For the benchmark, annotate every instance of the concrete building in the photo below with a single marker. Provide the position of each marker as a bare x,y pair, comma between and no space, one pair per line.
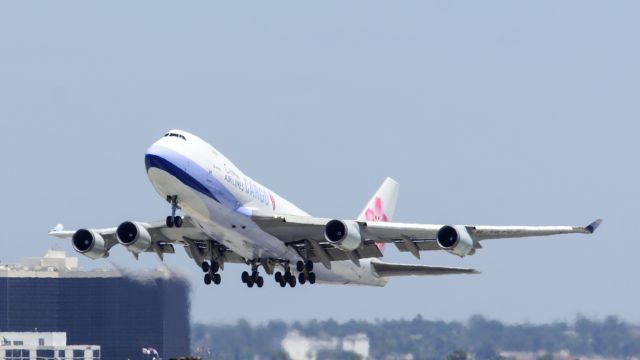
45,346
119,313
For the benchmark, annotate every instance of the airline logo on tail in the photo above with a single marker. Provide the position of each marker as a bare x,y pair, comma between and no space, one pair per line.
382,205
376,214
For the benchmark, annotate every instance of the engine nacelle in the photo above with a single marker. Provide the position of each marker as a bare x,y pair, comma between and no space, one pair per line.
89,243
134,236
344,235
456,240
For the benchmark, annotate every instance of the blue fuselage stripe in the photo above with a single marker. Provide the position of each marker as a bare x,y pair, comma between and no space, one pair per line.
180,174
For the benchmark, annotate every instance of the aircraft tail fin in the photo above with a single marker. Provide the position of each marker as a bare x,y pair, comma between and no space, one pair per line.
382,205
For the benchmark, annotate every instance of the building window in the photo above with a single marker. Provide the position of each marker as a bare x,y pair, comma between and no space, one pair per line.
45,354
78,354
61,354
16,354
96,354
18,342
41,341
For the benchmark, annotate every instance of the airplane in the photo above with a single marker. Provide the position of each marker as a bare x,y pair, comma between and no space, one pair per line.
230,218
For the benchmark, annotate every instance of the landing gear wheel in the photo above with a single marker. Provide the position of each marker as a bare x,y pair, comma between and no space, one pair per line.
287,276
292,281
260,281
278,277
217,279
214,267
308,265
282,283
207,279
301,278
312,278
245,277
206,267
300,266
177,221
169,221
255,276
250,283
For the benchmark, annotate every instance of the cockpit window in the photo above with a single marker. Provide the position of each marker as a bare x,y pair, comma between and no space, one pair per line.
175,135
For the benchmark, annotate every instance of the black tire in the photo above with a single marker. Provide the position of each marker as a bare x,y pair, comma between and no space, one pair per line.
300,266
169,221
301,278
278,277
308,265
260,281
245,277
287,276
312,278
292,282
283,283
205,266
217,279
207,279
255,276
177,221
250,283
215,267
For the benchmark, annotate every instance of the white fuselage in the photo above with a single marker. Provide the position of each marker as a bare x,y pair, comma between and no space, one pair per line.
220,200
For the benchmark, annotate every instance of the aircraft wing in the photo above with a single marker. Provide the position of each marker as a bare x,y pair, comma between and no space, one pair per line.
307,235
387,270
197,244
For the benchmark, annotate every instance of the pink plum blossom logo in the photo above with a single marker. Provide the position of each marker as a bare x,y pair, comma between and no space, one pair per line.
376,214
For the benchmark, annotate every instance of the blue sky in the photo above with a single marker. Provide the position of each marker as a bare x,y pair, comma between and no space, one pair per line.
485,112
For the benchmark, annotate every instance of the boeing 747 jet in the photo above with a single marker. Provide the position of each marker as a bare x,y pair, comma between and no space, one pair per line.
230,218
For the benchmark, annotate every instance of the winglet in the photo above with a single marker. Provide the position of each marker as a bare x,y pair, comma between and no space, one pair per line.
591,228
56,229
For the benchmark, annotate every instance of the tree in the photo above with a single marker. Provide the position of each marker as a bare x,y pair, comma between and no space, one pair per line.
458,355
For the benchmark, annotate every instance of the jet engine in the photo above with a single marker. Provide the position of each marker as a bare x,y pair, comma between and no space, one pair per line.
344,235
456,240
89,243
134,236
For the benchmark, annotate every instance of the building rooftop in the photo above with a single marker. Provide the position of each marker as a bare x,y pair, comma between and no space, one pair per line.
56,264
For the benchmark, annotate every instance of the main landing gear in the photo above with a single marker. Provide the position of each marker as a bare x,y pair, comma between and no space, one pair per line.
173,220
305,274
303,268
254,278
211,272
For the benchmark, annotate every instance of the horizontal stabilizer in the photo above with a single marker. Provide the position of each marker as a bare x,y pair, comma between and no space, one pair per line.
387,270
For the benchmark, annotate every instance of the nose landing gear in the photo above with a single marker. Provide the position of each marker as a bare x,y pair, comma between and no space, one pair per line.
173,220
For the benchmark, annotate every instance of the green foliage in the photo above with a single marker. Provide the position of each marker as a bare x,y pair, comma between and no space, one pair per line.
458,355
425,339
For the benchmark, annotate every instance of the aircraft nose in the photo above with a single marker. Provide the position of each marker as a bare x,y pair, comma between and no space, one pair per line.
155,157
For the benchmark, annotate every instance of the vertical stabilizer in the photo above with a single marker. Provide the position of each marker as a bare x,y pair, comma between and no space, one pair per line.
382,205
